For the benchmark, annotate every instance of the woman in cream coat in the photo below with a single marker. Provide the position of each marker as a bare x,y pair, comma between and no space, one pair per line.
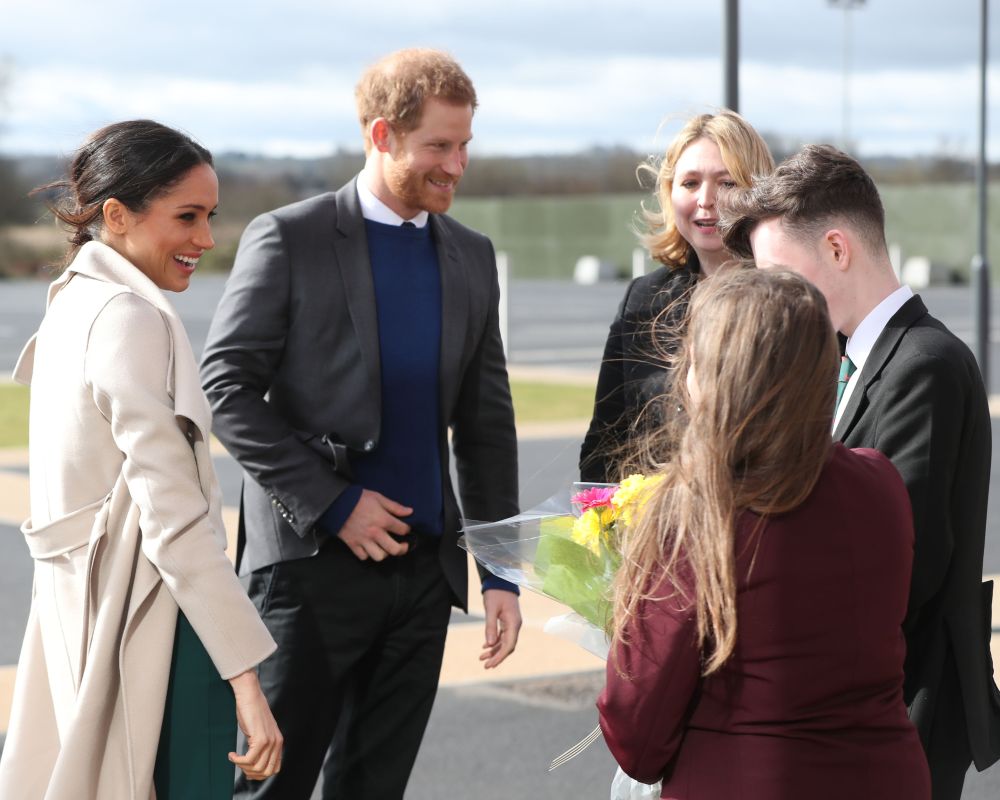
125,524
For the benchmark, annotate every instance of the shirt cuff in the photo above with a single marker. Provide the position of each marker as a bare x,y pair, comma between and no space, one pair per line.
493,582
333,519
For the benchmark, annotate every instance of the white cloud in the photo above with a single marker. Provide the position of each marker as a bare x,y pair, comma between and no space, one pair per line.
904,112
52,110
551,77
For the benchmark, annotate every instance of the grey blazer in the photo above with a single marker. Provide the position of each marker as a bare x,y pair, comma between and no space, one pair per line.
293,355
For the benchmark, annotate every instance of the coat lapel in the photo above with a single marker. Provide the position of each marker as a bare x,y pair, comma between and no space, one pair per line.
101,262
454,312
351,246
25,367
886,344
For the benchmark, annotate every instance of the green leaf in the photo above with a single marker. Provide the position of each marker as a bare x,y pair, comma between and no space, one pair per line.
574,575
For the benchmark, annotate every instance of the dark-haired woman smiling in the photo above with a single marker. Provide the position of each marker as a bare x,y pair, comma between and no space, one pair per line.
137,619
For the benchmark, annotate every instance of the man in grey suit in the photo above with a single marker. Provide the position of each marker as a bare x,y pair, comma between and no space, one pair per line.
356,328
912,389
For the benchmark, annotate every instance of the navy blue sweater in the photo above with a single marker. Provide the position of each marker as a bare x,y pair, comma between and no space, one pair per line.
406,464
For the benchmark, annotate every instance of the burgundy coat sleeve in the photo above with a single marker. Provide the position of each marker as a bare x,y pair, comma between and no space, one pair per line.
651,681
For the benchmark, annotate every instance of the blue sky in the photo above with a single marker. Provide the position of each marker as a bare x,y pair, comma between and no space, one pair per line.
553,76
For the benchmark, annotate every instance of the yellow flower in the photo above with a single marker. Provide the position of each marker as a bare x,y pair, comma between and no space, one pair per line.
590,526
632,494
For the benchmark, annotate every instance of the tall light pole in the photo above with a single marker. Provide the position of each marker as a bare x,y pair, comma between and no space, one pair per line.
848,6
980,262
731,54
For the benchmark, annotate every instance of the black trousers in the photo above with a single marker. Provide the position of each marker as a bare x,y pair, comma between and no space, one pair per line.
354,677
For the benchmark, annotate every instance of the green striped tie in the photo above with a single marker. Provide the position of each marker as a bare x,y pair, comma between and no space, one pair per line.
847,369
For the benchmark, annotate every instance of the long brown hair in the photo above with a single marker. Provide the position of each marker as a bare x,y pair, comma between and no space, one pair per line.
757,438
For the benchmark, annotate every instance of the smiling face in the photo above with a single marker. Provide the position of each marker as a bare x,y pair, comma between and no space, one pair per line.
166,240
699,175
422,167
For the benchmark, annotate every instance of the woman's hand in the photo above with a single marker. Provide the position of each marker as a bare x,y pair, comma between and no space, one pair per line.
264,740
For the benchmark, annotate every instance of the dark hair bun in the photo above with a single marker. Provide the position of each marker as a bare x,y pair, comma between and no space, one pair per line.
135,162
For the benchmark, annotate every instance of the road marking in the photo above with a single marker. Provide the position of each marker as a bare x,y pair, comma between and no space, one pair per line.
15,506
14,457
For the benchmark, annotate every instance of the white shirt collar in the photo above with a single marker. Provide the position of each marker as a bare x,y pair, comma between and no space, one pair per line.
375,210
860,345
861,342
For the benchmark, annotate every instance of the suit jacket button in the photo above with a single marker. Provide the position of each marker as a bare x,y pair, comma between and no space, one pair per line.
369,445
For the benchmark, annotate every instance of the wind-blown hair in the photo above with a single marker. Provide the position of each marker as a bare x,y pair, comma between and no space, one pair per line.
765,359
814,190
744,153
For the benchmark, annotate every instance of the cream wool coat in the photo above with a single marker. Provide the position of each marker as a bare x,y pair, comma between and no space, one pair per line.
125,527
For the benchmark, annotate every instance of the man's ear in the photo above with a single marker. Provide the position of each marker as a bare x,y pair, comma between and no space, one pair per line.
837,246
380,133
116,216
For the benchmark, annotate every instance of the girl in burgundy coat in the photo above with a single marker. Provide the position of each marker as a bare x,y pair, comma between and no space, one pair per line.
757,648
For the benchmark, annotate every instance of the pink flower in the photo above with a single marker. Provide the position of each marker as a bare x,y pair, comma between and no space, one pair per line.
598,497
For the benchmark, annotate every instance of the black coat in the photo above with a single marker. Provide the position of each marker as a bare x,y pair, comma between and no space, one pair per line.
635,369
921,401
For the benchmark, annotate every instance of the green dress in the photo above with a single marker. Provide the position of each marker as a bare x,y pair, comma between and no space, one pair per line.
199,726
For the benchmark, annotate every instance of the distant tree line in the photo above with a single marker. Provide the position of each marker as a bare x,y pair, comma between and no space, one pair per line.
252,184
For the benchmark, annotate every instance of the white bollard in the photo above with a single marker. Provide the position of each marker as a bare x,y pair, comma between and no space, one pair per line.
896,259
503,276
638,263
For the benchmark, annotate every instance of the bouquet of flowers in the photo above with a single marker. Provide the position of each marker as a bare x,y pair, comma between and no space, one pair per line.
569,548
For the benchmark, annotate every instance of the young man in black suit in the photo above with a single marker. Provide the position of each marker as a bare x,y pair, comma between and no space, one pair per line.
356,329
913,390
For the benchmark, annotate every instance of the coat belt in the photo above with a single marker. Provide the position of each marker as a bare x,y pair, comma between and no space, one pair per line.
63,534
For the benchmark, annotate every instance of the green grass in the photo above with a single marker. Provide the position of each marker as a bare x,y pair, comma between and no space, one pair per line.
13,415
551,402
533,402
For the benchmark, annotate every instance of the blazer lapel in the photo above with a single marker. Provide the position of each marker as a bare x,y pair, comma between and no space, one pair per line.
886,344
454,312
351,246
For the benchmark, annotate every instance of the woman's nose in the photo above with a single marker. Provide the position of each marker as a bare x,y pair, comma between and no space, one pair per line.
203,238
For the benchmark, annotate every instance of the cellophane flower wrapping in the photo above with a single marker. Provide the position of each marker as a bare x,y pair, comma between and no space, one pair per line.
568,548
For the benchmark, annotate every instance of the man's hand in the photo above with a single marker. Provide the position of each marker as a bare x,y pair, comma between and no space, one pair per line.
367,530
503,623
